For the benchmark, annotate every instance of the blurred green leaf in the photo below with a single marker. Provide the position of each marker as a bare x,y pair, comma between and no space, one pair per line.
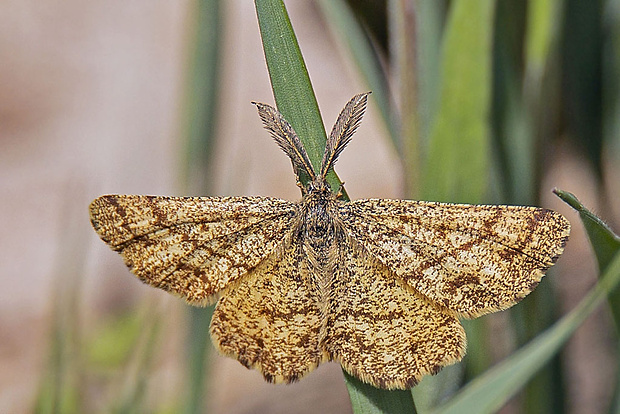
457,166
584,38
61,388
344,24
201,95
541,32
436,389
430,26
198,350
513,126
130,393
114,341
489,392
403,56
201,110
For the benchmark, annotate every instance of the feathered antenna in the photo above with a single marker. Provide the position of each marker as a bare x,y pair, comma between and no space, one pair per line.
343,130
286,138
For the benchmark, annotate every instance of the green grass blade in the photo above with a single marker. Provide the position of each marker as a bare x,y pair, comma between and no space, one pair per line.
296,101
198,348
290,81
436,389
61,388
524,106
513,126
584,39
343,23
403,50
604,241
200,126
457,166
366,399
541,32
132,396
201,95
489,392
429,32
606,244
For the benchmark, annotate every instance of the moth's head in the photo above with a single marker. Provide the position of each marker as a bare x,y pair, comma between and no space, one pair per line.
318,187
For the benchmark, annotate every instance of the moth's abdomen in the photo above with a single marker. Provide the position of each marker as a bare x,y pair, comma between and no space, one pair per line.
319,234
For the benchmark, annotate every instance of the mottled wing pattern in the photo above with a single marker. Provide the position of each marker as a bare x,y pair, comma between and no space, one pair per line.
470,259
381,330
192,246
271,320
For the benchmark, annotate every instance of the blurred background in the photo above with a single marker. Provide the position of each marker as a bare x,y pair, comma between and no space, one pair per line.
154,98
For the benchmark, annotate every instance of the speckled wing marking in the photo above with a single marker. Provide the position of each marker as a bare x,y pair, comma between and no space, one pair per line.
381,330
271,320
192,247
471,259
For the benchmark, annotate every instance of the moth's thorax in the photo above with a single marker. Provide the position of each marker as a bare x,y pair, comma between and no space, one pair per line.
319,204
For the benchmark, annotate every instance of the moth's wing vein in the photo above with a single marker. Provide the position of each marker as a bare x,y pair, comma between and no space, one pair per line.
120,218
155,234
230,242
470,259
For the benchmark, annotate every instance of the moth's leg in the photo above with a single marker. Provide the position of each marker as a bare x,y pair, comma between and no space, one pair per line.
340,192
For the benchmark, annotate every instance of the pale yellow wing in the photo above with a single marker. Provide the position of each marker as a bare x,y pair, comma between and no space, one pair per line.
192,246
382,331
271,321
471,259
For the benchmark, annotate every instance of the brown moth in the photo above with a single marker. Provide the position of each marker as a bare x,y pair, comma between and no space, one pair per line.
376,285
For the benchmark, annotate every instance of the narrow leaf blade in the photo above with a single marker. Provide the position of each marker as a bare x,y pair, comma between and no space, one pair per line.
457,166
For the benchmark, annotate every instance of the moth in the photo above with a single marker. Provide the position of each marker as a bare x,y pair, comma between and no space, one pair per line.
376,285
